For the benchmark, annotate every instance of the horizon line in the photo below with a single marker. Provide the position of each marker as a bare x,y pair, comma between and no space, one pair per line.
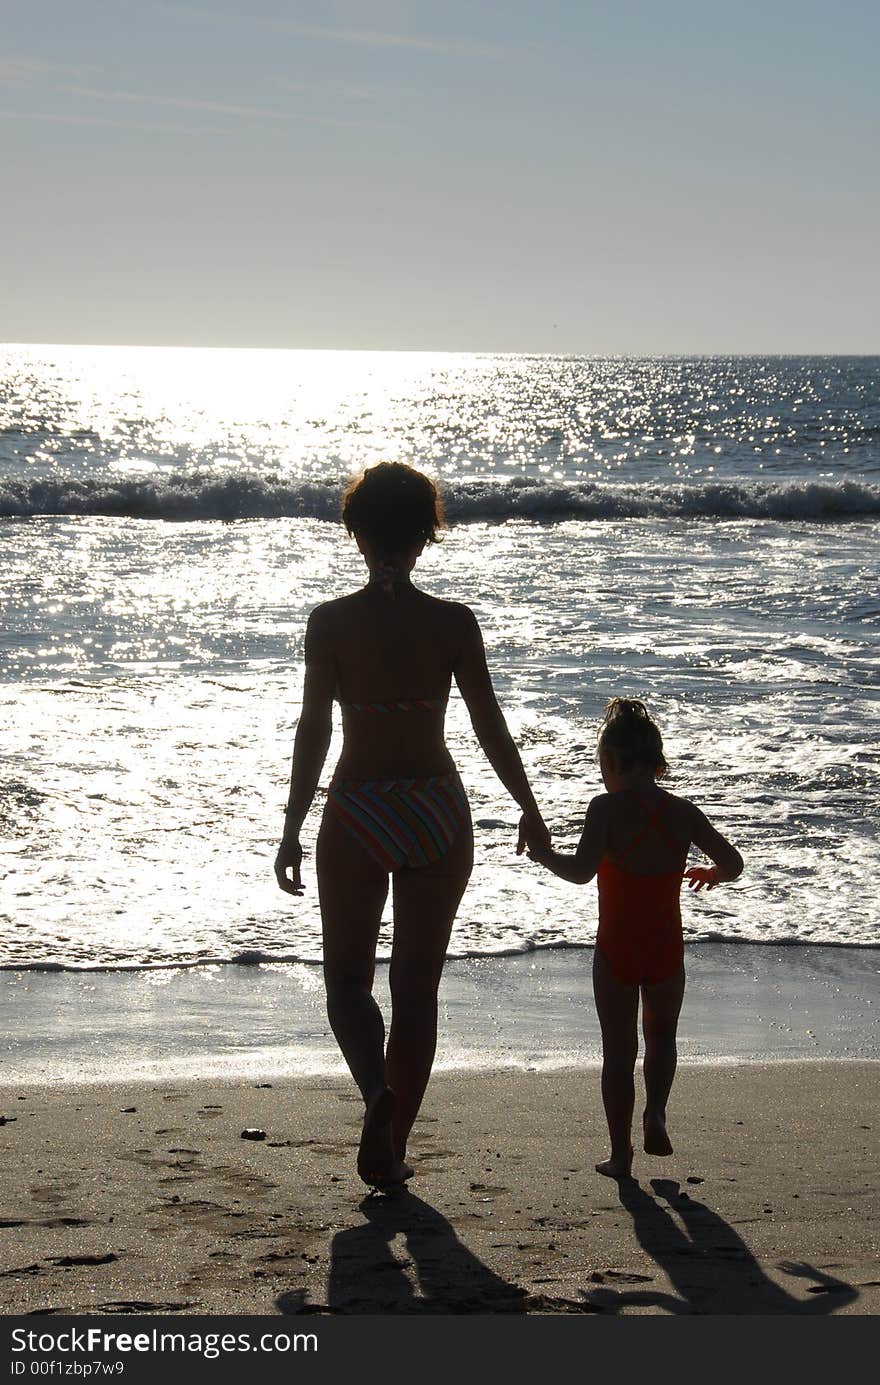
435,351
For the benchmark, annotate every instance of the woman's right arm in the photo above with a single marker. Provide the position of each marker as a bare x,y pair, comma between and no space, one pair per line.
310,747
475,685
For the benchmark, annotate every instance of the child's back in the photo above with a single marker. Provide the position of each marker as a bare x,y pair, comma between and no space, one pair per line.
649,831
639,880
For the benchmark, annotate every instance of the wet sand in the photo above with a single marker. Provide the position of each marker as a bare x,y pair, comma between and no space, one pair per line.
744,1002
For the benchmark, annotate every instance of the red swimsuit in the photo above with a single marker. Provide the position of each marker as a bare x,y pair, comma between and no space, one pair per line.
640,918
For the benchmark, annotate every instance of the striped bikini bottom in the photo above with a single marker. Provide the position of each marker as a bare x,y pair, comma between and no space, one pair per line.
401,822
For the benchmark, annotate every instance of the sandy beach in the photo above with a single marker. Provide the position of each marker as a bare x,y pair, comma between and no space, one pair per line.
143,1197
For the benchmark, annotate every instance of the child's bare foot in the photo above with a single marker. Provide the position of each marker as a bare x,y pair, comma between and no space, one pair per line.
616,1168
377,1164
656,1139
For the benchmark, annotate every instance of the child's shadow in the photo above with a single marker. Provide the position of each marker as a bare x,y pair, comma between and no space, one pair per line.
368,1276
711,1266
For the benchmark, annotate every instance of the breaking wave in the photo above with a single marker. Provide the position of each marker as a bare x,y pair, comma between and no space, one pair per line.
234,496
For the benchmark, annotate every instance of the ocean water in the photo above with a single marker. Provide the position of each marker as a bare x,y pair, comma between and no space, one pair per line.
701,533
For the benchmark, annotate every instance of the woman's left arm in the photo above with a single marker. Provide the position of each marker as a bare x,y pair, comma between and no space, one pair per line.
310,747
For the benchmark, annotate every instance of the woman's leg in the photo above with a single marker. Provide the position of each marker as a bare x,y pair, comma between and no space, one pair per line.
352,889
425,904
661,1005
617,1006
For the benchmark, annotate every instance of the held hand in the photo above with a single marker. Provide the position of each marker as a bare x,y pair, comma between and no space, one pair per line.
541,855
289,858
533,833
698,876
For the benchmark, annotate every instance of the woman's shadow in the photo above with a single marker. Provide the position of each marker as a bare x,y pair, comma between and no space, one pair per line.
710,1266
368,1274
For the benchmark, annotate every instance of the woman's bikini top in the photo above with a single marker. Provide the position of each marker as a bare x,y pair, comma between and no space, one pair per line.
413,704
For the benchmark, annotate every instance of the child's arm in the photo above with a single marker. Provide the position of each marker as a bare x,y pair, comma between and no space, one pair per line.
582,866
728,864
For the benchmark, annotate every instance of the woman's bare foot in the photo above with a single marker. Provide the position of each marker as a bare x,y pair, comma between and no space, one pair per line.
616,1168
656,1139
377,1164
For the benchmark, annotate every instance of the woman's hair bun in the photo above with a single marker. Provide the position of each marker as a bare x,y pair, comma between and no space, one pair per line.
393,507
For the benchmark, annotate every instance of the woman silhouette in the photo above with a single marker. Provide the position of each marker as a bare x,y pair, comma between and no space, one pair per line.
395,805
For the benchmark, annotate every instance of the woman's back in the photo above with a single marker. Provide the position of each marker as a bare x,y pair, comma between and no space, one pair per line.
394,658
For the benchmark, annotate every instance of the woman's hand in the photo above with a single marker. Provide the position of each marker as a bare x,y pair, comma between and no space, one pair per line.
541,855
289,858
533,833
698,876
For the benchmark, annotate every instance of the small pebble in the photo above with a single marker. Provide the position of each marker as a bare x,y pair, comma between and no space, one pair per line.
694,1179
127,1110
253,1134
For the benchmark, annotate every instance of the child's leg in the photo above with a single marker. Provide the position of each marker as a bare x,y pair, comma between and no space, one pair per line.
617,1006
661,1005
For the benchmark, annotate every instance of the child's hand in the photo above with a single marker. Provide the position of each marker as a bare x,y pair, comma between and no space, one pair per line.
539,853
698,876
533,832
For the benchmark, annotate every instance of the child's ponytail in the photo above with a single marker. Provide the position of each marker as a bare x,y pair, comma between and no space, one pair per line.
632,737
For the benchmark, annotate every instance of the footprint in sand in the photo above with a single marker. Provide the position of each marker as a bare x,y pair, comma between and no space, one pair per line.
51,1194
621,1277
69,1260
138,1305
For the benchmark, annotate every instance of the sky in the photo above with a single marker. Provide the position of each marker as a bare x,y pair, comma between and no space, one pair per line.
575,176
